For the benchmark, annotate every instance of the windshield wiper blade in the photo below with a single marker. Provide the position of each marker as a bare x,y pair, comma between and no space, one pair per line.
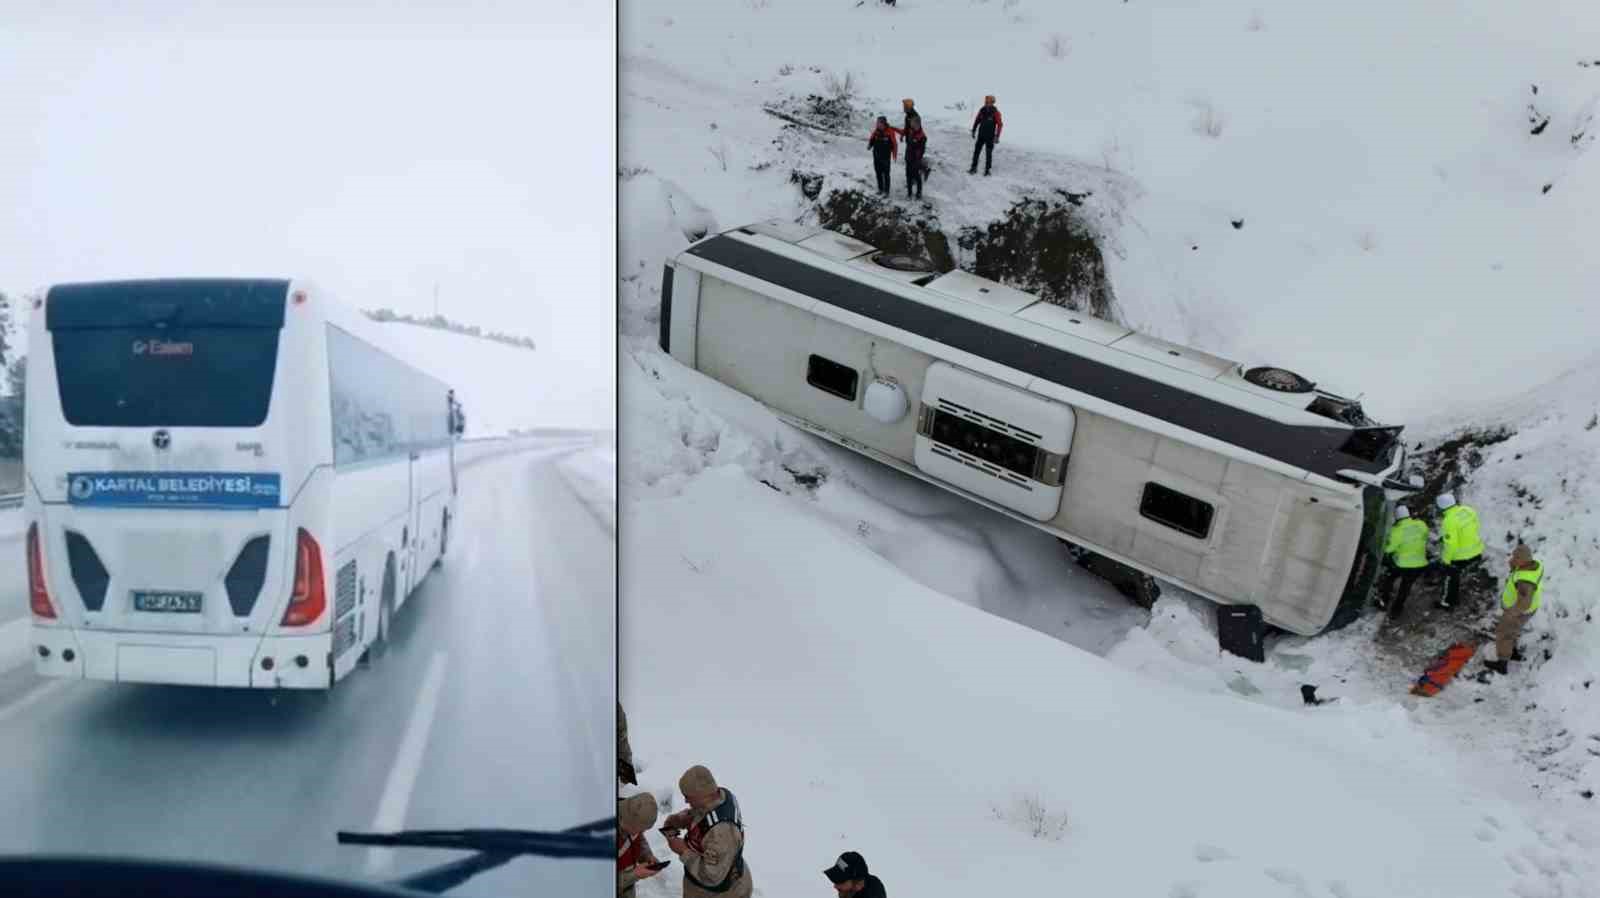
499,841
492,847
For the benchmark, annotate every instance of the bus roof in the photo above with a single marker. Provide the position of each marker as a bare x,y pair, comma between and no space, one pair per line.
1189,396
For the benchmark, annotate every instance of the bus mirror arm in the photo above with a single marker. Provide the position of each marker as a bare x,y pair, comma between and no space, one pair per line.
1386,483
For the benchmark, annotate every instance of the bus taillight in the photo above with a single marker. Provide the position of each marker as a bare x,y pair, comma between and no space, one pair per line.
309,599
38,596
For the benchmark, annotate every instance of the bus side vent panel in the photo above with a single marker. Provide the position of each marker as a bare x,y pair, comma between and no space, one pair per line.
344,590
344,604
344,636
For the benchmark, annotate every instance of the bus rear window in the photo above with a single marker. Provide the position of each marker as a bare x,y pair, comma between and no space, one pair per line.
185,376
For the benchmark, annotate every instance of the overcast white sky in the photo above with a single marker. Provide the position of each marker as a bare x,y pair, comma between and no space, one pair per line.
376,151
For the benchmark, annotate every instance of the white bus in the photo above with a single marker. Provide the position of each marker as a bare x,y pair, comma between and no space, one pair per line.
1243,484
229,483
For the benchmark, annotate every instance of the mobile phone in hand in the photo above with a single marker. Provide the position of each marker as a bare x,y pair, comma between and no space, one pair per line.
658,866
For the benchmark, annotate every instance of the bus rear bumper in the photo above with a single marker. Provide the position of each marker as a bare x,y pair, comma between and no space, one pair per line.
248,662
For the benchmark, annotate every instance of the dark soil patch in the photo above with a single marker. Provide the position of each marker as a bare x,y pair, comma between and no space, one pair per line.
888,226
1425,629
1446,468
825,114
810,183
1041,246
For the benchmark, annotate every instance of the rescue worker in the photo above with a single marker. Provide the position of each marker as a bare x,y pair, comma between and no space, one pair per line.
712,848
1460,545
913,118
884,151
625,771
1521,597
986,128
1407,551
916,147
635,815
850,877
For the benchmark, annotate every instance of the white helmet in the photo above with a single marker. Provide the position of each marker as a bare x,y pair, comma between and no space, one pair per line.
1401,512
1445,500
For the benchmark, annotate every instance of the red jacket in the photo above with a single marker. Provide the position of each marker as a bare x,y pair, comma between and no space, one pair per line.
890,133
630,851
916,146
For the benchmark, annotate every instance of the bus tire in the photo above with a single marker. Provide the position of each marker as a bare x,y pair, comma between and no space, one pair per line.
444,540
1142,590
380,639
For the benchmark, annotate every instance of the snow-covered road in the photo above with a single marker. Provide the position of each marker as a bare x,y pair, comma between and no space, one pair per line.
493,707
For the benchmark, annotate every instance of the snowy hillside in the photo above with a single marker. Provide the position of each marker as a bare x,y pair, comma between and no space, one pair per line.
1381,160
1354,192
918,732
503,387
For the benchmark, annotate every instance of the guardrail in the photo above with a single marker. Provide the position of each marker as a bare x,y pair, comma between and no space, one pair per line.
483,451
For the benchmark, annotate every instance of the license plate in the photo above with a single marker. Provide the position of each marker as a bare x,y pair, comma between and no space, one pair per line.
169,602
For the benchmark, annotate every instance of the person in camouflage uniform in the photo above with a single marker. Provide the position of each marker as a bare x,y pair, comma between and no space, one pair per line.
711,844
635,815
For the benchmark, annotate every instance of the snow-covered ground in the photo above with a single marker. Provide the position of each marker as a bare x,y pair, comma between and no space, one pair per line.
592,474
851,708
1395,242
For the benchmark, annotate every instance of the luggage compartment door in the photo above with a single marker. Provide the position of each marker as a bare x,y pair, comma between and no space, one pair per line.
994,440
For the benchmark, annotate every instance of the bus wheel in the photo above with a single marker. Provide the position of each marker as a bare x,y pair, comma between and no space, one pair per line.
380,641
1143,591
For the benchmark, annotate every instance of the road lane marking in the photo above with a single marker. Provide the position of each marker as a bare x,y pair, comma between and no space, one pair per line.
407,764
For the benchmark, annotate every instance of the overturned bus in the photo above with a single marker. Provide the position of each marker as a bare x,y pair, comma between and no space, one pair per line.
1246,485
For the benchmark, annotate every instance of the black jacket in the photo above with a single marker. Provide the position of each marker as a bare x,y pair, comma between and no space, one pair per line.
874,888
986,122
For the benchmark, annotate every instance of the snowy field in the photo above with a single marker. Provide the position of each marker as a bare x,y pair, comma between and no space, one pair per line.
1396,241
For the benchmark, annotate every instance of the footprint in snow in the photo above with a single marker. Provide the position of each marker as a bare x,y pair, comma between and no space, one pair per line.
1484,834
1493,821
1289,878
1516,865
1338,889
1205,854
